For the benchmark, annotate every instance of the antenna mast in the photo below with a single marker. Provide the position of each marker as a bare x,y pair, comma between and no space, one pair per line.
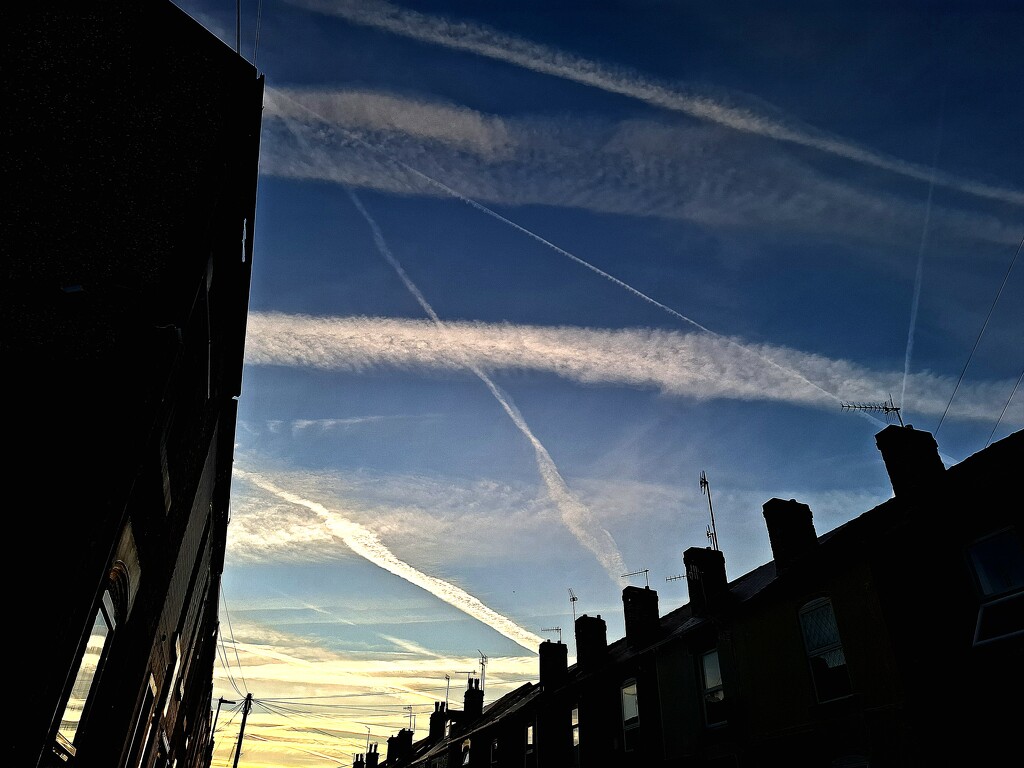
483,668
712,533
572,602
644,571
554,629
888,408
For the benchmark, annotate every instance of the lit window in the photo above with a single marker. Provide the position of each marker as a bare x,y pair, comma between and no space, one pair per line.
630,717
465,752
998,563
174,673
575,726
824,650
714,693
88,674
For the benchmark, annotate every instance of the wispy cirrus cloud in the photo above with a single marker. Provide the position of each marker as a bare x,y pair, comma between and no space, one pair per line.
680,171
692,365
494,44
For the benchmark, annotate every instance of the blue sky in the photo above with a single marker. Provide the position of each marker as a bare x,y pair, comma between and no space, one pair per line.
524,270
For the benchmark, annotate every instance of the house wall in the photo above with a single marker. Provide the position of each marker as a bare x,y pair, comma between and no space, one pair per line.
133,146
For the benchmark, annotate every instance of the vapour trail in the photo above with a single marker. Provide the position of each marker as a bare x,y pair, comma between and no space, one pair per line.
490,43
576,516
365,543
918,277
494,214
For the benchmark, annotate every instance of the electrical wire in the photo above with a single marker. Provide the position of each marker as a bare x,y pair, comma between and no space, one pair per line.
234,645
1001,413
981,333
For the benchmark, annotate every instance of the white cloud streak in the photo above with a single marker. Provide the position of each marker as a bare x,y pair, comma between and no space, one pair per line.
575,515
485,41
691,365
687,172
367,545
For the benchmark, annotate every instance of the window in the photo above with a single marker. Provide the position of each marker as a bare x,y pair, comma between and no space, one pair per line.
998,564
140,738
824,650
176,668
630,717
576,726
529,757
714,693
465,752
113,607
494,751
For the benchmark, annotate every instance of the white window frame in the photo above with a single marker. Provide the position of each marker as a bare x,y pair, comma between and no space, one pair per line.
630,703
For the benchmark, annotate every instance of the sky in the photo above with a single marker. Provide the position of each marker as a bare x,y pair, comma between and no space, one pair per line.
524,271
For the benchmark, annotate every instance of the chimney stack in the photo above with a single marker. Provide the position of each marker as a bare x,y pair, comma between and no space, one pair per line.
705,579
357,762
473,702
400,748
640,609
554,664
911,458
372,757
591,641
790,531
438,720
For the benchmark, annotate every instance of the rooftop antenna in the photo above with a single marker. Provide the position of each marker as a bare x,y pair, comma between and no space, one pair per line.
554,629
447,689
888,408
409,707
572,602
675,578
644,571
705,487
483,668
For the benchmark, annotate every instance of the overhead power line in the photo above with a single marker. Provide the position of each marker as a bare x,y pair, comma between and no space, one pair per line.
982,333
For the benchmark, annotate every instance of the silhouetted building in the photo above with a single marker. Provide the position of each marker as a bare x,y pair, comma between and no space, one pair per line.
896,639
130,157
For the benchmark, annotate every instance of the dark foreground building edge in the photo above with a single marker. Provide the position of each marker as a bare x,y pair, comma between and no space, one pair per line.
130,157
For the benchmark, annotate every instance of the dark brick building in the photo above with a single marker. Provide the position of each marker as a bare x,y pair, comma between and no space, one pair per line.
130,155
896,639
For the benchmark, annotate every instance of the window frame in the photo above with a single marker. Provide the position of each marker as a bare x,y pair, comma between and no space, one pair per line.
993,598
818,651
630,725
89,669
709,690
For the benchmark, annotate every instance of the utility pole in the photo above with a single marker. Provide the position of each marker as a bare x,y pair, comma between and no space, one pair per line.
241,731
